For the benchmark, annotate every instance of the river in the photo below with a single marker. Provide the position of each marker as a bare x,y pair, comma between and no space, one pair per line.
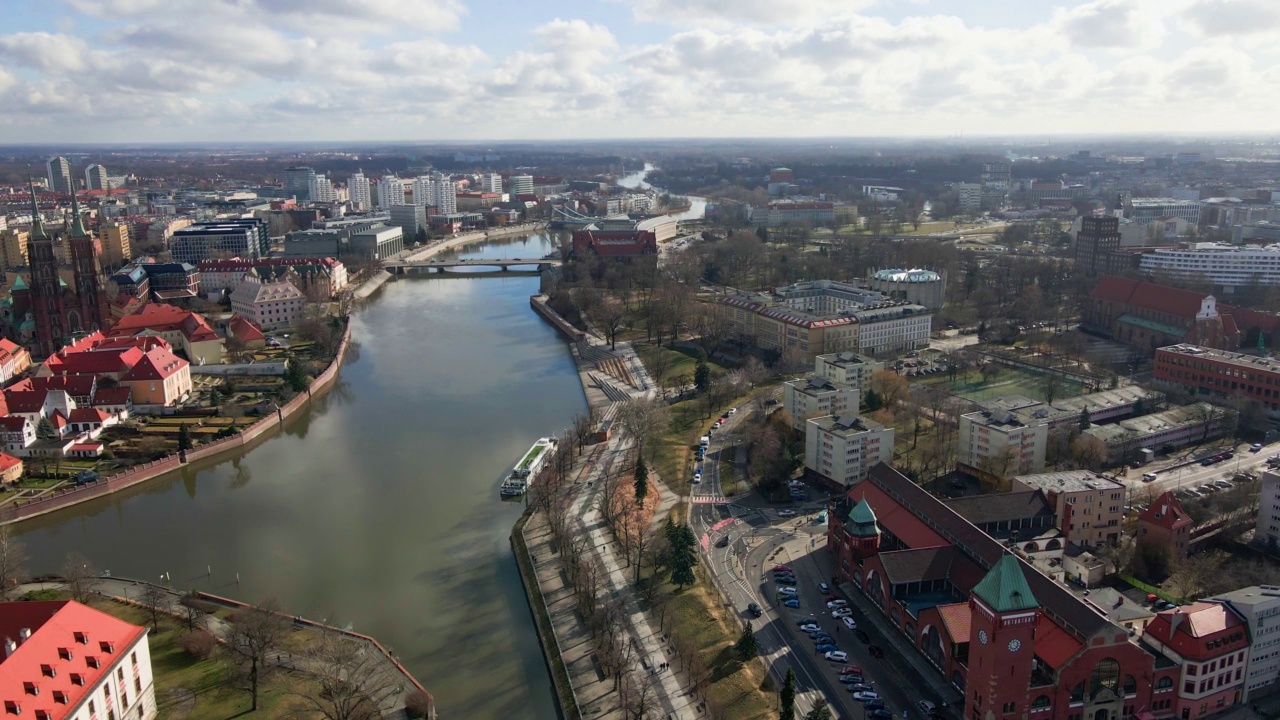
697,205
379,508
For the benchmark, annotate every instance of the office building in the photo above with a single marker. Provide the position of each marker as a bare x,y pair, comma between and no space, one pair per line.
95,177
238,237
847,368
1226,266
298,182
64,661
491,183
842,449
1097,239
116,249
818,396
58,174
785,213
1147,210
379,243
998,444
1089,508
1220,373
13,247
410,218
970,196
521,185
1259,605
390,191
358,191
997,174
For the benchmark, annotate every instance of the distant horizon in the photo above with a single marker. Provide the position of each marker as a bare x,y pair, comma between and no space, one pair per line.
168,72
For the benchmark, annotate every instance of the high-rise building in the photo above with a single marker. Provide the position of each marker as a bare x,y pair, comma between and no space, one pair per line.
298,182
58,170
996,174
521,184
321,190
390,191
445,199
13,247
358,190
1098,238
970,195
424,191
95,178
115,244
491,183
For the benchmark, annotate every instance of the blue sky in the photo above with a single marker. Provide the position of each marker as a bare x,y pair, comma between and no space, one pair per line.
316,70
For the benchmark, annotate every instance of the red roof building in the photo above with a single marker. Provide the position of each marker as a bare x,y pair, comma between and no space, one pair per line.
67,660
159,378
1165,524
1147,316
1209,641
187,331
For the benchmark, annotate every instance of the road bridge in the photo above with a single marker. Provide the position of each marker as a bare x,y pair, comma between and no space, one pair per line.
523,266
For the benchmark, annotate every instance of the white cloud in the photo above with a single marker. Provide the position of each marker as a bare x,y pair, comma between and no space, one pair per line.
315,16
1117,24
739,12
1232,18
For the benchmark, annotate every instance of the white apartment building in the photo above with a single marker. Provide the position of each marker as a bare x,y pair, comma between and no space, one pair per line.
1145,210
95,177
1221,264
1259,605
321,189
817,396
1268,527
970,197
423,191
847,368
893,329
491,183
843,449
67,661
1002,443
390,191
445,194
521,185
358,190
269,304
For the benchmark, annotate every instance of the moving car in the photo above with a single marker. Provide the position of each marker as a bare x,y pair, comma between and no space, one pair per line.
928,708
839,656
1256,447
754,610
723,542
824,588
786,513
1148,477
875,651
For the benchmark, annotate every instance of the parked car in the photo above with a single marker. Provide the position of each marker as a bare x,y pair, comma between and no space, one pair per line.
875,651
851,670
928,708
806,621
851,679
825,648
860,687
849,622
874,705
832,605
786,591
1148,477
1256,447
841,612
781,568
822,639
879,714
824,588
865,695
792,603
839,656
787,580
754,610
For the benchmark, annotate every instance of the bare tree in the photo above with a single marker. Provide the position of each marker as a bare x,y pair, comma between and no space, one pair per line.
80,576
609,315
192,609
642,419
644,701
155,600
13,561
354,683
582,430
256,632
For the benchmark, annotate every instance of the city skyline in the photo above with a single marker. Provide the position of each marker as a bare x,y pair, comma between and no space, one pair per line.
145,70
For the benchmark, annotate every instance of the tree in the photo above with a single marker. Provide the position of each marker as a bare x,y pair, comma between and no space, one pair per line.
581,430
747,645
44,429
193,609
296,376
701,375
820,711
184,438
1084,419
80,577
155,600
13,561
642,481
787,698
642,418
608,314
889,386
215,397
871,402
257,631
353,683
683,553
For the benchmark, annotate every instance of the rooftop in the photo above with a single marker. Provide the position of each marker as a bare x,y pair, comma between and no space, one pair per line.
1194,413
1068,481
1252,362
846,424
908,276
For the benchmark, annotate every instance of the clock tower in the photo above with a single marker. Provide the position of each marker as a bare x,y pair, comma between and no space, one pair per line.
1001,641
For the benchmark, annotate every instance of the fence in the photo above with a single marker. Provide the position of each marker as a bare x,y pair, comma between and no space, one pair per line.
137,474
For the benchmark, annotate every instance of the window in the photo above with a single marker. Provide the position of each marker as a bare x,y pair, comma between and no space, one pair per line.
1106,674
1040,703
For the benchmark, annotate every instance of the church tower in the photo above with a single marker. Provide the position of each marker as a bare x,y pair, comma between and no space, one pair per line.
91,286
1001,643
864,533
46,288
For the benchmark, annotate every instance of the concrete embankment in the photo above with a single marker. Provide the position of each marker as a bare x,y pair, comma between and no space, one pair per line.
248,438
458,241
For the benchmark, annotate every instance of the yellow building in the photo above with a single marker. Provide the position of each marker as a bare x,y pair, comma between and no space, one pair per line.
115,244
13,247
785,329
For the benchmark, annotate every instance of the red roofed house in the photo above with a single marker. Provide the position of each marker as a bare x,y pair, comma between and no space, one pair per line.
1209,642
67,660
90,422
158,379
111,364
618,237
1011,640
183,329
1165,524
248,335
1147,316
10,469
14,359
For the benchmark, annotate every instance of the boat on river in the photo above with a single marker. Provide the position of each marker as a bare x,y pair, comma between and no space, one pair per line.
526,471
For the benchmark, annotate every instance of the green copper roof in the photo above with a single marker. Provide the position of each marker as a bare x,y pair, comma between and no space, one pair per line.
77,222
20,284
862,520
1005,588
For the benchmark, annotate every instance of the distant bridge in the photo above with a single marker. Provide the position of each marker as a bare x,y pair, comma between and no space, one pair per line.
523,266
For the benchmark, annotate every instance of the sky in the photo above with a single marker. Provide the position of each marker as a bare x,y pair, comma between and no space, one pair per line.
432,70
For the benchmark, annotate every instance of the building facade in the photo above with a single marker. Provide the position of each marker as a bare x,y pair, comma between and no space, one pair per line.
1147,210
521,185
998,444
116,250
95,177
917,286
269,304
358,190
238,237
58,175
1226,266
379,243
1220,373
817,396
1164,524
847,368
390,191
1267,529
1147,316
1089,507
1209,643
1097,239
1259,605
843,449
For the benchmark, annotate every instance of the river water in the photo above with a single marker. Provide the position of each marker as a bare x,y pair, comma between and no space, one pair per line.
379,508
697,205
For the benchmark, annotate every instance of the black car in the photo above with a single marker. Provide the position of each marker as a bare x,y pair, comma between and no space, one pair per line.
723,542
754,610
862,636
879,714
875,651
785,580
851,679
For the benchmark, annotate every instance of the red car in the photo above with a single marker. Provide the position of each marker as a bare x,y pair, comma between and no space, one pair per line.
850,670
781,568
875,651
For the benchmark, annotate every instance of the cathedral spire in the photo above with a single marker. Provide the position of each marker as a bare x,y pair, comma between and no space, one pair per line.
77,223
37,223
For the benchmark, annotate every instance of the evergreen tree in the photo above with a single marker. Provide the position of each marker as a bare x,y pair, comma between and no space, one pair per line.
747,647
1084,419
642,481
820,711
184,438
701,376
684,554
787,698
762,232
296,376
872,402
215,398
422,236
44,429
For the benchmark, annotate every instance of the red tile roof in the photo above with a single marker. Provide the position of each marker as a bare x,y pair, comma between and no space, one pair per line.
244,330
8,462
89,415
112,396
1053,644
76,385
13,423
159,317
896,519
95,363
64,636
958,621
1200,631
1161,298
24,401
1166,512
157,364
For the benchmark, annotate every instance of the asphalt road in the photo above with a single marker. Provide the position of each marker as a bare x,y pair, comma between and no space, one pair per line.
1195,474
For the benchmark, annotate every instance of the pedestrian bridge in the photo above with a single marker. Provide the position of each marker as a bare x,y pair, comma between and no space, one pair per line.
530,266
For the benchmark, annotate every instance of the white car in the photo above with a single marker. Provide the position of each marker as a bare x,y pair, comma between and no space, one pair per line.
786,513
839,656
841,612
733,410
810,627
866,695
849,622
837,604
785,590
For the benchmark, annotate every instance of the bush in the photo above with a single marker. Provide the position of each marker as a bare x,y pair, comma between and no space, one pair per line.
417,704
199,644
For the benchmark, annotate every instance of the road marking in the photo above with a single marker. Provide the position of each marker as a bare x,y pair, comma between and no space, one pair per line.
706,500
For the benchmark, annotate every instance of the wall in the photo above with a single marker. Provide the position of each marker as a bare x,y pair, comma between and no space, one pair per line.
248,438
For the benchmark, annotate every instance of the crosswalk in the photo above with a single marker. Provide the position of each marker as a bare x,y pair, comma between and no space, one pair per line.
707,499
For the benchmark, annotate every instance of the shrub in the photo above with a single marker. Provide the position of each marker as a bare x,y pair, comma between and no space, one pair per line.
199,644
417,704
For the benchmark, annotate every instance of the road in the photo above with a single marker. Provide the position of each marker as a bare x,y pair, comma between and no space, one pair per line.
1171,475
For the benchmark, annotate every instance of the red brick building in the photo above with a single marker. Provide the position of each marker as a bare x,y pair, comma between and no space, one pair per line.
1220,373
1016,643
1166,525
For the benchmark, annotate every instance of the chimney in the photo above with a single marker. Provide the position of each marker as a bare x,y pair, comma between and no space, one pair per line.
1119,601
9,647
1174,621
24,635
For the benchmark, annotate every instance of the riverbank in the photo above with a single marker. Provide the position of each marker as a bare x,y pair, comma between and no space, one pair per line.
252,436
458,241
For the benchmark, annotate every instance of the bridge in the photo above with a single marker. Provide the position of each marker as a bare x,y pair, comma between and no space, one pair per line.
522,266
